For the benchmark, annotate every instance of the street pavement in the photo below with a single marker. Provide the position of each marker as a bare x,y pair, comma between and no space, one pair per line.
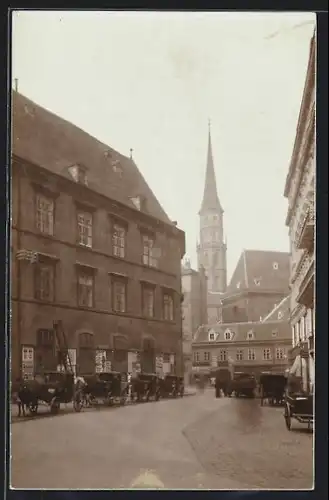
197,442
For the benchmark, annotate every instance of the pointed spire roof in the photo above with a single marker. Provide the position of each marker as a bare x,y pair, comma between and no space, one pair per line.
210,196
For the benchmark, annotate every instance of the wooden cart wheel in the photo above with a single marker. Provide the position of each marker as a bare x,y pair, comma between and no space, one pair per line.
33,408
287,416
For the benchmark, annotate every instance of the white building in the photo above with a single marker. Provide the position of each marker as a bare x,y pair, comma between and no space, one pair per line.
300,191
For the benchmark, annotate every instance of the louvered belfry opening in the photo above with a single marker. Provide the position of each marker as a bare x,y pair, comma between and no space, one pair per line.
148,356
86,361
120,354
45,351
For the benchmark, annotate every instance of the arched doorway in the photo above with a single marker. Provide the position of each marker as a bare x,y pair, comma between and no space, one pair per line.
148,356
86,361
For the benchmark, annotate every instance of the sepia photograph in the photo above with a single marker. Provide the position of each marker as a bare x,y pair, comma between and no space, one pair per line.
162,250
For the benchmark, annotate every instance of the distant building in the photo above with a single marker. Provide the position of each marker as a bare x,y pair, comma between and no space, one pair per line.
300,191
250,347
194,310
211,250
91,246
259,282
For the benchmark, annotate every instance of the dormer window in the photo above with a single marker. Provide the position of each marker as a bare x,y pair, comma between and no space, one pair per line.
212,335
280,315
228,335
275,266
274,333
117,168
257,281
250,335
139,202
238,284
79,174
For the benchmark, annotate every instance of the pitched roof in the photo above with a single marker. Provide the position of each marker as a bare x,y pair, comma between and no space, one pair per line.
53,143
210,199
261,332
280,311
260,270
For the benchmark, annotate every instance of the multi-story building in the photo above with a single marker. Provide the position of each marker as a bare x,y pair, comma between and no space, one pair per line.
211,249
259,282
300,191
194,310
92,247
249,347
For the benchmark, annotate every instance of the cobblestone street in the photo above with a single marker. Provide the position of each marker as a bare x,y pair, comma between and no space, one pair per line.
195,442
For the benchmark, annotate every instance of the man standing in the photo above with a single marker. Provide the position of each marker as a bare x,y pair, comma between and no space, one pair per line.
218,385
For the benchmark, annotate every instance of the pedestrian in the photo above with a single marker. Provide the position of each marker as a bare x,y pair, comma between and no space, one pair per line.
218,386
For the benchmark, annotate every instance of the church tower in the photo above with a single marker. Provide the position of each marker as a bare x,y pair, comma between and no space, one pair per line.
211,250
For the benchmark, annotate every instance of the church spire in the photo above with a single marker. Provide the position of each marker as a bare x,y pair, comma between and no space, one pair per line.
210,197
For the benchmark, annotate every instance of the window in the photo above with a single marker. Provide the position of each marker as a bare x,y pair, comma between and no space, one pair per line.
206,356
148,251
227,335
222,355
45,215
119,290
274,333
239,355
250,335
211,336
44,282
257,281
251,354
85,226
82,176
280,353
275,266
280,315
267,354
118,241
196,357
85,289
148,301
168,307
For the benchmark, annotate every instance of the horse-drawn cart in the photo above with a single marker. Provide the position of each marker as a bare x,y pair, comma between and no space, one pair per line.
50,388
272,388
299,400
109,387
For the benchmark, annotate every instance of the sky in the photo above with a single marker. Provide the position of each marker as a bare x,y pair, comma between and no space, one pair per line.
151,81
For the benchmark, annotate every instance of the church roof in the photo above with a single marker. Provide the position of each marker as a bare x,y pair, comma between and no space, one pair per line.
55,144
280,312
243,332
261,270
210,199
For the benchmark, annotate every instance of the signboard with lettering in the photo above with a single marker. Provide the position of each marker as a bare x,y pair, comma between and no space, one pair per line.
159,365
28,362
100,360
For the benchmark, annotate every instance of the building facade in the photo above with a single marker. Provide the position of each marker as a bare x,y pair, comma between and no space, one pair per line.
259,283
92,247
300,191
194,311
211,249
248,347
